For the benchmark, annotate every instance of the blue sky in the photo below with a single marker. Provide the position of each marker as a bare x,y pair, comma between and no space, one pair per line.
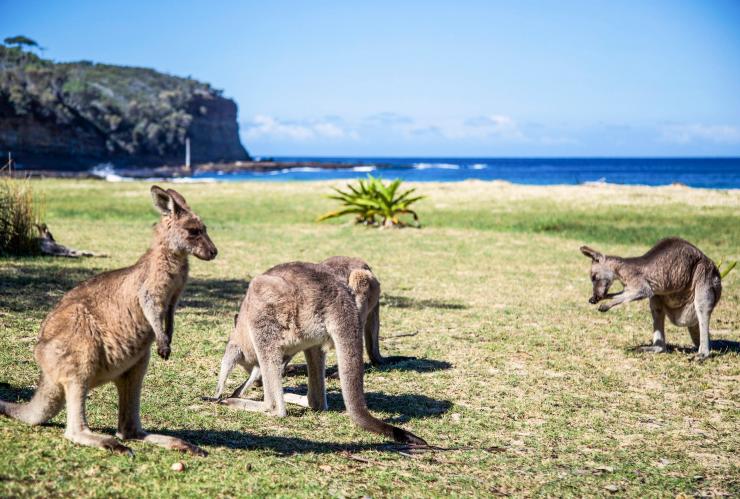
427,78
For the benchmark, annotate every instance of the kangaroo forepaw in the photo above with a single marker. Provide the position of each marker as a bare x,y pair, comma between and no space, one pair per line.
163,351
406,437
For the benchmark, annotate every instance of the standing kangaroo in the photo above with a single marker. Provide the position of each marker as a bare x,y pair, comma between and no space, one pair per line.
367,299
680,281
101,331
297,307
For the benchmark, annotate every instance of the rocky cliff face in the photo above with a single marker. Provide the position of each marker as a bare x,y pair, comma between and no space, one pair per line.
76,115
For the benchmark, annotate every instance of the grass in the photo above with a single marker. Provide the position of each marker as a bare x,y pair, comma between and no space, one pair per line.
20,210
541,394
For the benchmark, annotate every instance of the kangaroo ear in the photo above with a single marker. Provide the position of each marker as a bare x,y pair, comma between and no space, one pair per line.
180,203
592,253
162,200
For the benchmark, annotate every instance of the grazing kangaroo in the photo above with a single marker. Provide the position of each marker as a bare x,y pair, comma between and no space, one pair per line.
680,281
297,307
101,331
367,299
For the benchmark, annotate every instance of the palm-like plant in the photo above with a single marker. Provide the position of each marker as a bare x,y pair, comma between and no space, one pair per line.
728,268
375,203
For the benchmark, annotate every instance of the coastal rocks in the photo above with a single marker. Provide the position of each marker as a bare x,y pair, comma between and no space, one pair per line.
77,115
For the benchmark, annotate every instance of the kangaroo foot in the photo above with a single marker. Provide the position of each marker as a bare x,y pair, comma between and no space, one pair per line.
652,349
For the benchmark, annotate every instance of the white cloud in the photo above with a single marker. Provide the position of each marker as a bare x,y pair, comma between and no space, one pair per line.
263,126
494,126
697,132
388,119
486,129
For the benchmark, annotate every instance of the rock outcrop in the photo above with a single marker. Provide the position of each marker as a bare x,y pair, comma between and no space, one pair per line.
76,115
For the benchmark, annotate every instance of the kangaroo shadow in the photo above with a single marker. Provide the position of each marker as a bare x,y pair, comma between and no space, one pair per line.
405,406
204,293
398,301
30,287
9,393
283,446
392,363
716,348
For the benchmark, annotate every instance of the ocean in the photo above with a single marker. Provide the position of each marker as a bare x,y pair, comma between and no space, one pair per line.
720,173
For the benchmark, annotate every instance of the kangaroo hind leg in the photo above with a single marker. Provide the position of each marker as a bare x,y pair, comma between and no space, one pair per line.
77,430
704,302
129,420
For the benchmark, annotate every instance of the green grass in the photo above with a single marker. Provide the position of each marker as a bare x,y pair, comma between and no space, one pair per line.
540,394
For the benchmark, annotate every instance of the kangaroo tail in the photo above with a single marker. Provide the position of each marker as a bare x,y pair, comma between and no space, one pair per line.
351,373
45,404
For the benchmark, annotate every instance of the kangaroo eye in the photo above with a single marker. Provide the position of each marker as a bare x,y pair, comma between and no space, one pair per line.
593,278
193,232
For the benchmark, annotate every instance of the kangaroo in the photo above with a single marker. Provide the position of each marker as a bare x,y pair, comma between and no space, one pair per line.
297,307
102,329
680,281
367,299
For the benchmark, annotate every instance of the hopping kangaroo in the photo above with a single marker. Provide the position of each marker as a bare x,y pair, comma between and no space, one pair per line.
680,281
102,330
297,307
367,299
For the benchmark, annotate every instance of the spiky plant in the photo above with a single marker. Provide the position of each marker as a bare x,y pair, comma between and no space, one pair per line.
728,268
375,203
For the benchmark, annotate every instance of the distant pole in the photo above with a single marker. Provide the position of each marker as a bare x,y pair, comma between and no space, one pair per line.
8,165
187,153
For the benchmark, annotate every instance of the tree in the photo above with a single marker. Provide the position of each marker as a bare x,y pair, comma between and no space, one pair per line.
21,41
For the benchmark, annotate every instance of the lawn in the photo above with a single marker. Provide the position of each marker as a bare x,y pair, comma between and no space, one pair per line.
530,389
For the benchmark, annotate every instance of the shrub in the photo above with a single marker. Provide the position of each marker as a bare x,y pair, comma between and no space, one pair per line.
371,199
20,211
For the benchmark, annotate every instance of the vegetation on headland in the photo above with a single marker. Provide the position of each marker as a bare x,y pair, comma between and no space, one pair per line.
536,392
133,112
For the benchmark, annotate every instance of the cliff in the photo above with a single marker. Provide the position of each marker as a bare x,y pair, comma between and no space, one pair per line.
76,115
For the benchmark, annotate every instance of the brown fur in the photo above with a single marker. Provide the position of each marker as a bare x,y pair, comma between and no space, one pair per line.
680,281
298,307
366,289
101,332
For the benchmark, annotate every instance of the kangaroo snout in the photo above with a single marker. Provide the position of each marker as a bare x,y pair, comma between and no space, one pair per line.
206,253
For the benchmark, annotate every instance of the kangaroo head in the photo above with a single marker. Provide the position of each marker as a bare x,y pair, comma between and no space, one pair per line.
602,276
183,230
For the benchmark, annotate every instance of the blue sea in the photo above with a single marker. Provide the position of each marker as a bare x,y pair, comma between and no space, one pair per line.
721,173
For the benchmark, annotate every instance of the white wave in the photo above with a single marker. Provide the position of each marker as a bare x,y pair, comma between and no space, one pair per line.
479,166
440,166
601,181
364,168
188,180
106,172
300,169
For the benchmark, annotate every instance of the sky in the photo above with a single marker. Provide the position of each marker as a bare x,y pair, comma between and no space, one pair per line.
427,78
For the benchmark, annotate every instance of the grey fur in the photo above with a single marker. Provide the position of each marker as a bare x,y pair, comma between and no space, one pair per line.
367,299
297,307
679,280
